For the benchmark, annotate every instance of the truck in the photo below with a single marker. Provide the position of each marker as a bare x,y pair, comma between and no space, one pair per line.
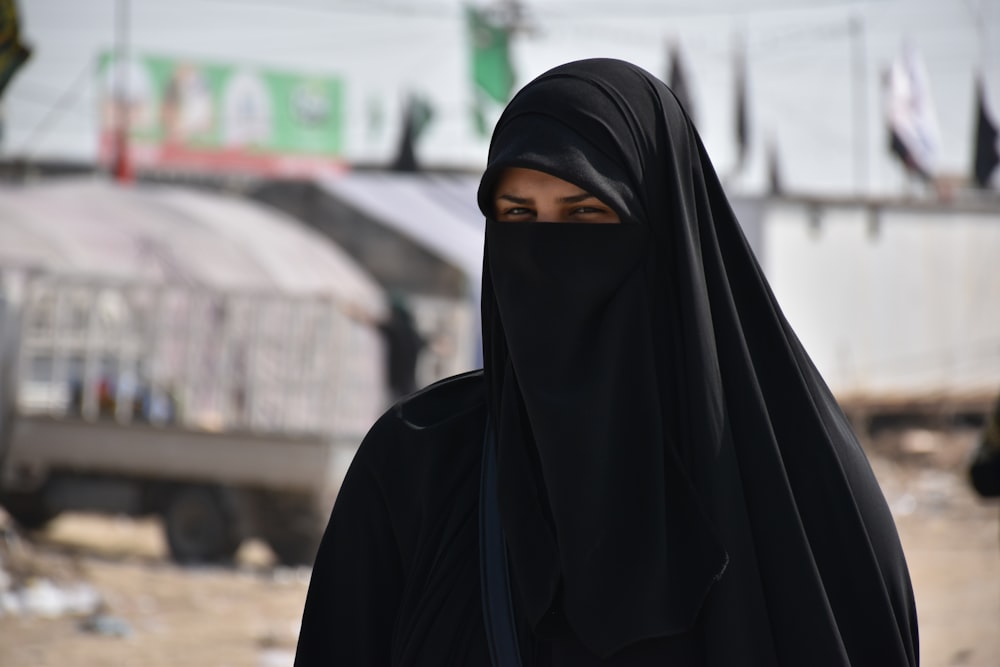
228,414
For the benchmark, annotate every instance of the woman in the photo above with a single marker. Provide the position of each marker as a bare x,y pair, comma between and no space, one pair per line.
666,479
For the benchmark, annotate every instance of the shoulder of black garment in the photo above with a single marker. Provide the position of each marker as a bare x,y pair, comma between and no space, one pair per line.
443,400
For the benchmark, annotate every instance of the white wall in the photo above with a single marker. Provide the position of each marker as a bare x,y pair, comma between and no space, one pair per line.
910,308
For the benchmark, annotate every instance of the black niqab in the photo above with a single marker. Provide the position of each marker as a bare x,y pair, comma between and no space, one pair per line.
669,460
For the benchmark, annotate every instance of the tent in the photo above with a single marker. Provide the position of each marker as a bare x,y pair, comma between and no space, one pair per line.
165,234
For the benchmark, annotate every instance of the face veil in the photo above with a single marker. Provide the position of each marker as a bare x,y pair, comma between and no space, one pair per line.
669,460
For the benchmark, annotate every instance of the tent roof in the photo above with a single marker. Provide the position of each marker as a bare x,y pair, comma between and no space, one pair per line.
437,211
155,233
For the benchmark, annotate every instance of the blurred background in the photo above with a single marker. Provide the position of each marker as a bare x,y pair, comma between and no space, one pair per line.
233,232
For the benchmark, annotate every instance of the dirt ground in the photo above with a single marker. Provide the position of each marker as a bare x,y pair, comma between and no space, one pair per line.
153,613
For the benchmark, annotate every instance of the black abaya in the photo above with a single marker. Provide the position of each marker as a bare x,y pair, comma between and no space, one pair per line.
396,581
675,480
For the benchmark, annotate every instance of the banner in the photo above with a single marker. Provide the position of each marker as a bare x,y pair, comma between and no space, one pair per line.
190,115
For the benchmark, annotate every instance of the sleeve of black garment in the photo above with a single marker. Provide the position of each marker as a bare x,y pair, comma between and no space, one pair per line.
357,577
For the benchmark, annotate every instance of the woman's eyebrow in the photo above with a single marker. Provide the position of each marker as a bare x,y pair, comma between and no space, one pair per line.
575,199
514,199
571,199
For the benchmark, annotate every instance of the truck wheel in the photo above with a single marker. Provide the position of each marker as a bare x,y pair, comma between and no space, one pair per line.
29,510
200,527
291,525
295,545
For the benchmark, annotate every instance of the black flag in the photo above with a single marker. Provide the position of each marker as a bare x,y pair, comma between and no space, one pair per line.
987,152
678,81
741,112
775,185
416,115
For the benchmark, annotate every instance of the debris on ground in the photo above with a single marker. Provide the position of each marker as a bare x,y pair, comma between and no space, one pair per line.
29,588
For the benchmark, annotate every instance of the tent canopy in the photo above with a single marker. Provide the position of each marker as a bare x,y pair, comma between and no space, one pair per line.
437,211
159,234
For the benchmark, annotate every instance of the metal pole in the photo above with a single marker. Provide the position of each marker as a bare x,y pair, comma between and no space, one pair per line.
121,163
860,95
979,22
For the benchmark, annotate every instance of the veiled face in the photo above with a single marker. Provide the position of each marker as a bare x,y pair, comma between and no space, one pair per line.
527,195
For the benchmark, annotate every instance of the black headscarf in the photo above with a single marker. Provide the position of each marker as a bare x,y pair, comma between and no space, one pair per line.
669,460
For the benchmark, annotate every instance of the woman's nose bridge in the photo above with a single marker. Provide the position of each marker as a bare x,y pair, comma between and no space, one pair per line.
550,211
547,213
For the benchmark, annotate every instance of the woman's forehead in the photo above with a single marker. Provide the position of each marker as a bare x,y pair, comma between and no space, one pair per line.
523,179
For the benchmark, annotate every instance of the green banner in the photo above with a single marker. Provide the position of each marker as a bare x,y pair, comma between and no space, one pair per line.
186,106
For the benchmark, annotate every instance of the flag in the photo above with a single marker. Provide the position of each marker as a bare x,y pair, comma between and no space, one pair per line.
912,120
775,185
13,52
742,114
678,81
492,72
987,155
417,115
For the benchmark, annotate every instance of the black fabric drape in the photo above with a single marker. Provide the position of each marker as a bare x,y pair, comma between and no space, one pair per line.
396,579
669,460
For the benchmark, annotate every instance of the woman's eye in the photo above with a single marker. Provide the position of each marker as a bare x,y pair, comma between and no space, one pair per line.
517,211
589,210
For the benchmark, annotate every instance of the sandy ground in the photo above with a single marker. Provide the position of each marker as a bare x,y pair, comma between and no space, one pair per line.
155,613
